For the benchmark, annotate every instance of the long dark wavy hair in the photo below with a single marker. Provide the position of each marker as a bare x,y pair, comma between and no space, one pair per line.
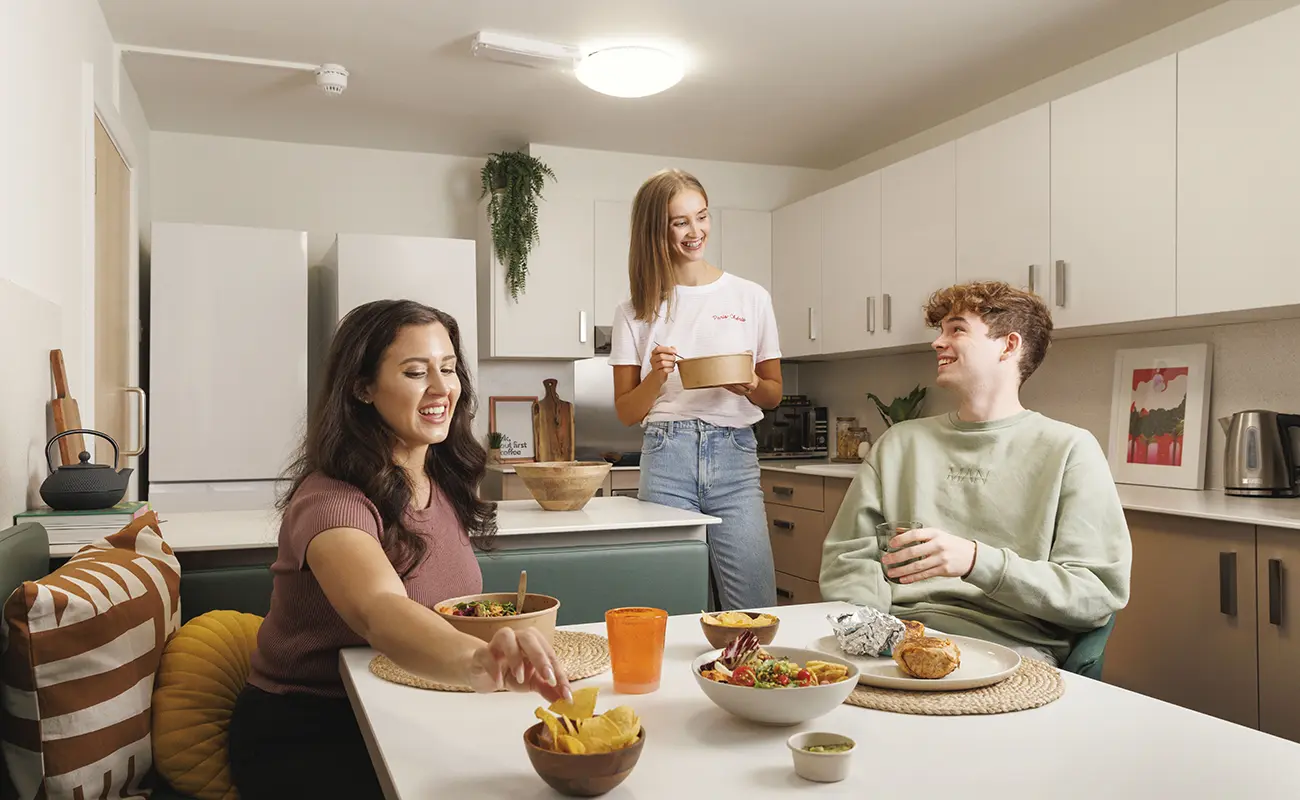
348,440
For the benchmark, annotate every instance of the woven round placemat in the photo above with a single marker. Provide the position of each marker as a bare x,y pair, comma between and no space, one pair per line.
582,655
1034,684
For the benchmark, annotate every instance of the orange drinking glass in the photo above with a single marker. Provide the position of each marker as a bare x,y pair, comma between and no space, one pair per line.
636,647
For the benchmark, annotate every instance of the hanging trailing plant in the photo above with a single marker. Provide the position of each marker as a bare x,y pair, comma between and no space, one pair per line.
514,181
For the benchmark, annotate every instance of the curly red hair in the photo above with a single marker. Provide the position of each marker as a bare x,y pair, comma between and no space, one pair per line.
1004,309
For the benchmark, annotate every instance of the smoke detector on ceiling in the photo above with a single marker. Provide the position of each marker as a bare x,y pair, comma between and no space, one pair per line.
332,78
619,71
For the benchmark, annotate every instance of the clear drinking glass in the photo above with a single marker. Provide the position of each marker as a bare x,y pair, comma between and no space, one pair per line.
886,531
636,647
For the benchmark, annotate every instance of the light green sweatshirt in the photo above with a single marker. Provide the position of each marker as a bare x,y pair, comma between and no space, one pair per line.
1037,495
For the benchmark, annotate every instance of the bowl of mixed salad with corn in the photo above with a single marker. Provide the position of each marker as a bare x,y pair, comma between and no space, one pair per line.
773,685
482,615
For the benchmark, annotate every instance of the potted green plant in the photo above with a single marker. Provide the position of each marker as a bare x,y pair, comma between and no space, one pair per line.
494,447
900,408
514,181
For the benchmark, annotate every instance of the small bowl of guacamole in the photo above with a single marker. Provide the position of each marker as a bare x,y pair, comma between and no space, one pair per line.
821,756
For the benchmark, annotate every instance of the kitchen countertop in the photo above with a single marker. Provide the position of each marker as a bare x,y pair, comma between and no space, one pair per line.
1276,512
509,469
520,523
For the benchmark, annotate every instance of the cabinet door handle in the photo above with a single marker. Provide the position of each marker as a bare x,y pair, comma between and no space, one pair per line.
1275,591
582,327
141,421
783,524
1228,584
812,323
1060,283
785,490
785,594
889,312
871,314
1031,278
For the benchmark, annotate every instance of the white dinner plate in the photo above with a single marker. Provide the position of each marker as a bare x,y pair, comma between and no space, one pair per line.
982,664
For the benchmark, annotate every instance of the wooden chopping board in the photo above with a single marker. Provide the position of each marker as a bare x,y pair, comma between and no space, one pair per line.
552,426
66,415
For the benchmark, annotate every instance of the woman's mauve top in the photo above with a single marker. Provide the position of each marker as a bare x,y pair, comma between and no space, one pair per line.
299,641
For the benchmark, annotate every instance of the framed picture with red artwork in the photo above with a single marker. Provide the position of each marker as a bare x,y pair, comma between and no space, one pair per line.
1160,416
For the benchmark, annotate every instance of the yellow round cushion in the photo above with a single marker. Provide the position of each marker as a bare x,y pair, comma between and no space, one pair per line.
204,668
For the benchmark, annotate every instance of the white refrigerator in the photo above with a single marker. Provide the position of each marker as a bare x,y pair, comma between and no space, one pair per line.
227,364
360,268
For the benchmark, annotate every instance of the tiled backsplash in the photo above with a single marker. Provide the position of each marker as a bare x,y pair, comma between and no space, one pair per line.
1255,366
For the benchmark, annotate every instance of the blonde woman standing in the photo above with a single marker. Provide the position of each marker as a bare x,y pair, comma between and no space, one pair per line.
699,452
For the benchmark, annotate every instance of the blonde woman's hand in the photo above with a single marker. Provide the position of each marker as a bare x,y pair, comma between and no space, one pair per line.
519,661
663,360
744,389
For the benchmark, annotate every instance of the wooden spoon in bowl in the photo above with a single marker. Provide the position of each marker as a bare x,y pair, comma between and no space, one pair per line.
519,598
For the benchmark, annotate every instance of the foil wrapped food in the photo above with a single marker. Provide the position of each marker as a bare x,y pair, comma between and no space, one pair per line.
867,632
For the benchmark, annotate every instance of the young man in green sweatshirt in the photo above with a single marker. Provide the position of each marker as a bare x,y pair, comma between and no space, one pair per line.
1023,539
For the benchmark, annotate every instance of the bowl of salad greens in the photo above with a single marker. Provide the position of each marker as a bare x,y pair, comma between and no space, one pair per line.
773,685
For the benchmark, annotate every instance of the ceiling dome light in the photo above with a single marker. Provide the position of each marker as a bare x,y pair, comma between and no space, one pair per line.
629,71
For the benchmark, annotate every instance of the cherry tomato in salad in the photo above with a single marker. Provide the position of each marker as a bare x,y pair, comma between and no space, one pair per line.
805,678
784,680
743,676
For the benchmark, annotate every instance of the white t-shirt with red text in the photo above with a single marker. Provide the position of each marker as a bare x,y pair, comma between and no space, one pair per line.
729,315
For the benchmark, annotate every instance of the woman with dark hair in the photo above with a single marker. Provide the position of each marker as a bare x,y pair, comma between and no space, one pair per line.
379,525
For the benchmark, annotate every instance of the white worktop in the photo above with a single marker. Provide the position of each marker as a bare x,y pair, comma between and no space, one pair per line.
1277,512
520,523
1095,741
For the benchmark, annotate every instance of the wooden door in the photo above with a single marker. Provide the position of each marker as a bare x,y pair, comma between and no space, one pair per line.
918,232
1004,199
797,276
1188,634
1114,166
851,299
1278,579
114,325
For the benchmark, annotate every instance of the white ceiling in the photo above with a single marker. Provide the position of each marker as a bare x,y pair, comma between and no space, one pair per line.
811,83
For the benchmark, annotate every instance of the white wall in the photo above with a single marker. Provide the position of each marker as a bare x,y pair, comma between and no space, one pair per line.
46,50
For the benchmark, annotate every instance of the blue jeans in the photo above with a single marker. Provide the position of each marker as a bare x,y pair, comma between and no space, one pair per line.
695,466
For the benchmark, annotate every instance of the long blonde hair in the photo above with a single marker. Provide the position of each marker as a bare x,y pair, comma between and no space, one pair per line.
649,256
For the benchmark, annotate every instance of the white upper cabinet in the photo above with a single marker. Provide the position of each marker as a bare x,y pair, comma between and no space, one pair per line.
851,299
1113,194
553,315
1004,202
797,276
740,242
1239,168
918,241
613,232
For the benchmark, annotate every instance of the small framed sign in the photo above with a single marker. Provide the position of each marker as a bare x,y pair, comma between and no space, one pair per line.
512,417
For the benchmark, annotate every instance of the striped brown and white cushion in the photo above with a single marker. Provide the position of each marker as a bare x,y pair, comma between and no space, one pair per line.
81,647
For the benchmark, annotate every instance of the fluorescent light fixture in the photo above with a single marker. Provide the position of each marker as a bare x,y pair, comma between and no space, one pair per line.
629,71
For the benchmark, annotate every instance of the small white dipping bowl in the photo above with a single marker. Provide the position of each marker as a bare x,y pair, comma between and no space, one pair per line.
786,706
821,767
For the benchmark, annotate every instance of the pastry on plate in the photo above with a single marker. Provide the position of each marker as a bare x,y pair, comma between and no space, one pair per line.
927,657
915,630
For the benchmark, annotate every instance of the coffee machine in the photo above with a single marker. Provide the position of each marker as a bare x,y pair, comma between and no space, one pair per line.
794,429
1259,459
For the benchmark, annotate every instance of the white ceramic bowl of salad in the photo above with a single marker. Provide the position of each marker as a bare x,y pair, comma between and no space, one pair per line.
770,700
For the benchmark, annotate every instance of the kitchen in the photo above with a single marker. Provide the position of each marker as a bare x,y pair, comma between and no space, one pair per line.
1186,256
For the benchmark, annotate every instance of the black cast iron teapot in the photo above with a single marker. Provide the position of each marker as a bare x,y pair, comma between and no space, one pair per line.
84,486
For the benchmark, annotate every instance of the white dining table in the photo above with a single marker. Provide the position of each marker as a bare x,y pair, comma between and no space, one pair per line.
1096,741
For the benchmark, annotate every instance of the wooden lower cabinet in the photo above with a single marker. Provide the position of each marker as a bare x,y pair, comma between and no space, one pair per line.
1278,611
1188,633
791,590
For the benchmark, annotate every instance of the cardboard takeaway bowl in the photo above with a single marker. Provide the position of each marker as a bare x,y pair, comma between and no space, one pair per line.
563,485
540,611
708,372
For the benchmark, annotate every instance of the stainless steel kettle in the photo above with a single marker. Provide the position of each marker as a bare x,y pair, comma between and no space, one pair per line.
1259,459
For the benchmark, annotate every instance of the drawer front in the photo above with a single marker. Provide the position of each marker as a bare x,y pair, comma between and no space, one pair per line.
624,479
789,489
796,535
792,590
